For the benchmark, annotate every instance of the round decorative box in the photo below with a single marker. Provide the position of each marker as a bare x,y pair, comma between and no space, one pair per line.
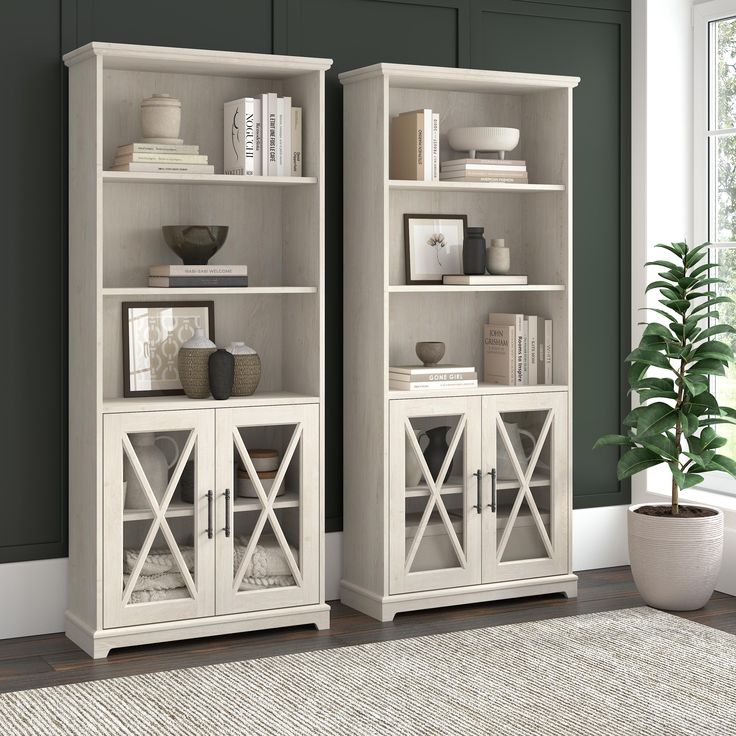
246,488
193,361
264,460
247,374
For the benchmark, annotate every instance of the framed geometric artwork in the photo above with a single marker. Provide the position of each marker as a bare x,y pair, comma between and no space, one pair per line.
153,332
434,247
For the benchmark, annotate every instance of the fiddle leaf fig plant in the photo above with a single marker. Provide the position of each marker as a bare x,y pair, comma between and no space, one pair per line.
676,420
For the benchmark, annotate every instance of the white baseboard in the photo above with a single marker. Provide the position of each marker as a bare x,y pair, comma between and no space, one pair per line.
599,538
34,593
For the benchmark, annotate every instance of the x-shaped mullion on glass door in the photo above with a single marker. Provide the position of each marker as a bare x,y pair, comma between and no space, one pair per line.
524,487
435,493
267,512
159,517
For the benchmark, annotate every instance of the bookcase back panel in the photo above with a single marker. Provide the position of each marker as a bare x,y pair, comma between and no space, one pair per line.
457,319
202,99
133,240
499,213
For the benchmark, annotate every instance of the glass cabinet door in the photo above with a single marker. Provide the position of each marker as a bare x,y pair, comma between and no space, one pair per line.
158,516
268,507
525,443
436,493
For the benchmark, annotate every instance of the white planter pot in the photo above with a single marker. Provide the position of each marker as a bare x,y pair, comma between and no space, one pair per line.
675,562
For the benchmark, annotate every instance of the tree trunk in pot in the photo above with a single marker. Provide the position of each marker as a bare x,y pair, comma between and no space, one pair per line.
675,562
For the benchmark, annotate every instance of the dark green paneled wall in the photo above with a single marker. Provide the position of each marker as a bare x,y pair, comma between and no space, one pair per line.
589,38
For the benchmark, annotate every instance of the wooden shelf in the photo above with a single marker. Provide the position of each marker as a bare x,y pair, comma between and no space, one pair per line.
454,288
289,500
470,186
175,509
448,489
154,177
145,291
164,403
481,390
538,481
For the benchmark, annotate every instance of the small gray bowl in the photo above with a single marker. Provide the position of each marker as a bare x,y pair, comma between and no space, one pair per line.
195,244
430,353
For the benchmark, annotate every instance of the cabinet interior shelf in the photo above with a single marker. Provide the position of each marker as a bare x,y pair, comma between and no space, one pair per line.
471,186
156,177
288,500
174,509
164,403
455,486
203,291
481,389
453,288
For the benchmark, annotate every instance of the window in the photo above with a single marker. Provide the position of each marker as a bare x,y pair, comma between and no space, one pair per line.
715,175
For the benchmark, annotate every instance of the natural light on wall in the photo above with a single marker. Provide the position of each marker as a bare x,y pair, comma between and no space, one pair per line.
715,176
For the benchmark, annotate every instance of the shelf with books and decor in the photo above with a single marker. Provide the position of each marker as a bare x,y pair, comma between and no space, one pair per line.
196,344
469,448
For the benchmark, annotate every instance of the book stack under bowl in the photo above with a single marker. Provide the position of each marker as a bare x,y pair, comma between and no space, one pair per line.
167,158
427,378
488,170
212,276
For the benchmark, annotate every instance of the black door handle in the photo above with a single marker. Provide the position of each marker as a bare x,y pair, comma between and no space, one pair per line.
227,512
478,491
210,501
492,504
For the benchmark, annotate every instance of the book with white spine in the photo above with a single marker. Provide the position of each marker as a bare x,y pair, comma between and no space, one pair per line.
273,161
439,377
166,168
182,269
160,158
264,134
279,136
296,141
257,137
286,136
157,148
424,370
533,349
427,126
548,352
517,322
435,146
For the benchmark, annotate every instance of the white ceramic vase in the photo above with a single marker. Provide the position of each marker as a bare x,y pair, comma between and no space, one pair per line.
504,467
675,562
498,257
155,467
161,119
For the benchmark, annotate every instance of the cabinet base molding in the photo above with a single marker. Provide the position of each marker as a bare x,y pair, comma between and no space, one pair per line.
384,608
98,643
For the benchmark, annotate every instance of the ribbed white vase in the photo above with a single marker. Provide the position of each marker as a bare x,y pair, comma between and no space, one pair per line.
675,562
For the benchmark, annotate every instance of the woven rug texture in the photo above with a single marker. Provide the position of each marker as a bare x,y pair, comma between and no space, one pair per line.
635,671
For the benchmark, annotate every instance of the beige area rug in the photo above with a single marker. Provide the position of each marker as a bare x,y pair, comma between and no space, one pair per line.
635,671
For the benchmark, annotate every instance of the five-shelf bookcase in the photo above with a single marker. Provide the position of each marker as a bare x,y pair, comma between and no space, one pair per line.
496,521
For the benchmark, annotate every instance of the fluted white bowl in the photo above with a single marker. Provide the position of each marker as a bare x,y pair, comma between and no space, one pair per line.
472,140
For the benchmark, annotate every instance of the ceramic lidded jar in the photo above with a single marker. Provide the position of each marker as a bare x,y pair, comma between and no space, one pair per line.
193,362
474,252
247,370
161,119
498,257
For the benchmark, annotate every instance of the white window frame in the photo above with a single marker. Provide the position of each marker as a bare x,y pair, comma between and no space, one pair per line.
704,182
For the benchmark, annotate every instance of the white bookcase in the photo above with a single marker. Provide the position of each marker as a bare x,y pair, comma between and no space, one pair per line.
411,541
277,229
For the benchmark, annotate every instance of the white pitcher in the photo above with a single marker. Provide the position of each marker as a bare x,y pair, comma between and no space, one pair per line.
504,467
412,468
155,467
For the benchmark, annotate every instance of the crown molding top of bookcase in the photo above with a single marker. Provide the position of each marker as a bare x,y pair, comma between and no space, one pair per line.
195,61
450,78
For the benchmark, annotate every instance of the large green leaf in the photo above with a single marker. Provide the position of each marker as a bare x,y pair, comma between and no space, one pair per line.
723,463
705,267
655,418
677,249
708,367
646,394
612,439
678,305
661,285
672,267
715,330
708,303
658,384
695,384
685,480
636,371
649,357
703,403
713,349
659,444
636,460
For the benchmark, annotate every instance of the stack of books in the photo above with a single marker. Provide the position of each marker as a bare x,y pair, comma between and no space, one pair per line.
181,275
517,350
263,136
168,158
415,146
493,170
423,378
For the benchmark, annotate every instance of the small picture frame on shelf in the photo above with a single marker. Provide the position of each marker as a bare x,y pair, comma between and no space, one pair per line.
153,332
433,246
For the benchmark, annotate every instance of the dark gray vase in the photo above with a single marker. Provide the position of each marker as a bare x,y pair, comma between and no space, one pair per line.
436,450
222,370
474,252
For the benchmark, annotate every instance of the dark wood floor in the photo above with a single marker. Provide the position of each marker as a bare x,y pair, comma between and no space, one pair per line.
39,661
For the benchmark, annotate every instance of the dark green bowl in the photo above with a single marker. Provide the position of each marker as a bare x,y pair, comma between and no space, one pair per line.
195,244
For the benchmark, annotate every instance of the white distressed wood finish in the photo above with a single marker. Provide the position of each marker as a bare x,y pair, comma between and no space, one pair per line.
301,459
277,228
385,317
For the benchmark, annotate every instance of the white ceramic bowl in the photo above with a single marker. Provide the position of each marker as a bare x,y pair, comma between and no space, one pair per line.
472,140
247,489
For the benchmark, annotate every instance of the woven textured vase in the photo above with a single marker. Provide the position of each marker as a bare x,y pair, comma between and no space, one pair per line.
247,374
675,562
194,371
